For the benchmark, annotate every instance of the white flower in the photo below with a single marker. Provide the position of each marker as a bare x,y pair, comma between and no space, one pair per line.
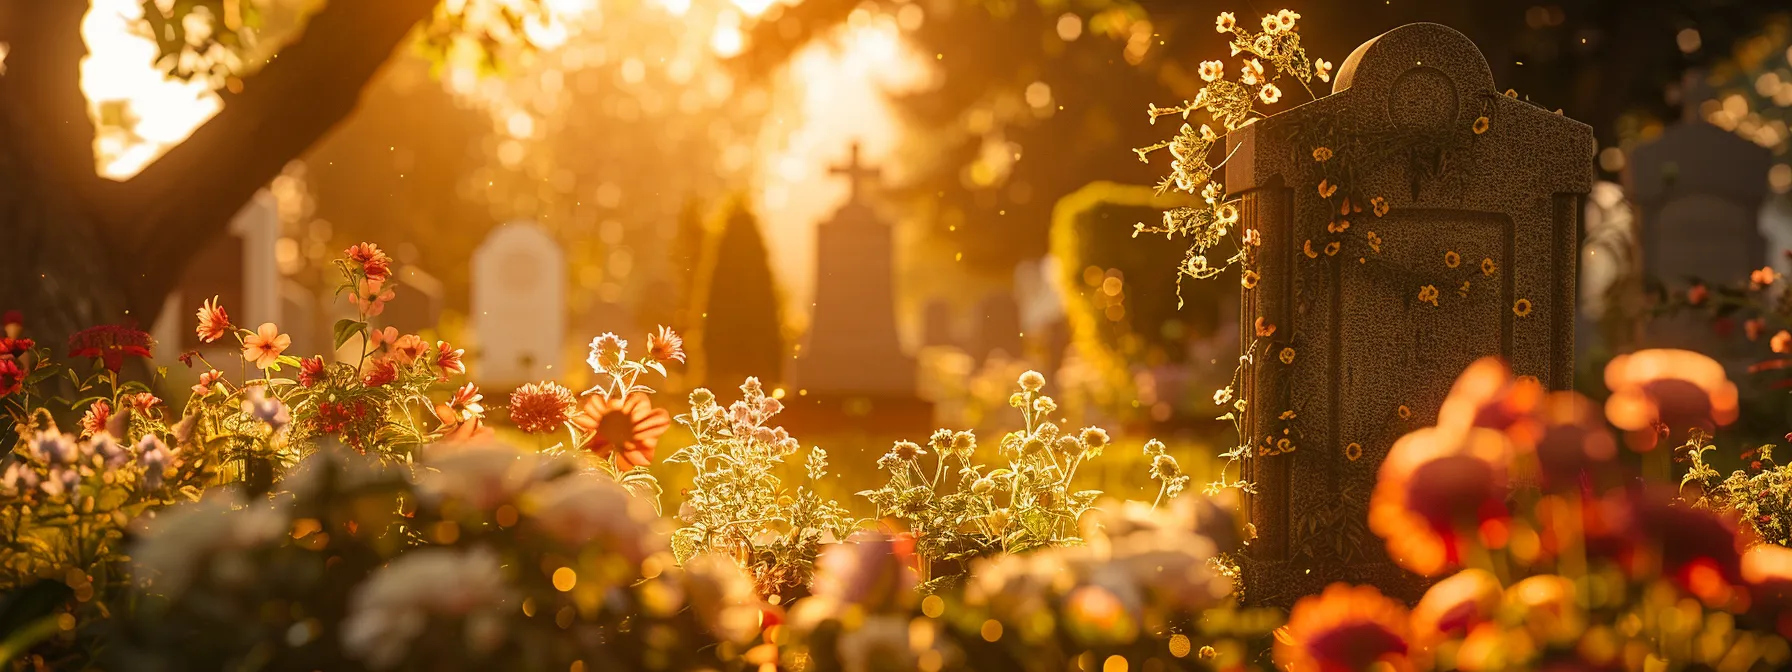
1212,70
483,475
721,595
589,508
1270,93
1323,69
153,456
1253,72
198,539
54,447
1225,22
1031,381
395,604
266,408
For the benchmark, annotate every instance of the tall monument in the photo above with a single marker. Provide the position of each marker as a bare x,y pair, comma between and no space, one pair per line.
851,369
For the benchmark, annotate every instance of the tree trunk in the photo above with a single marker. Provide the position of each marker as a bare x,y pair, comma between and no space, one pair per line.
79,250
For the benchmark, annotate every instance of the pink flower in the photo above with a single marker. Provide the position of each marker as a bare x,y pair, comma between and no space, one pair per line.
213,321
207,380
408,348
371,295
379,337
94,420
373,262
143,401
448,359
263,347
380,372
539,408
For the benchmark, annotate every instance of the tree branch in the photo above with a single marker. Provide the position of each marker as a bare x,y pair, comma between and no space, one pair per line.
162,215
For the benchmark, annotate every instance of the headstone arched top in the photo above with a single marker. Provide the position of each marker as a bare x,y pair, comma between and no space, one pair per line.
1425,72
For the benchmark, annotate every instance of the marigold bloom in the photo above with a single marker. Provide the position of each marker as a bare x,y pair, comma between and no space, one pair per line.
380,372
1345,628
1435,489
540,408
665,345
207,380
626,429
1664,389
214,323
95,419
311,371
110,343
263,347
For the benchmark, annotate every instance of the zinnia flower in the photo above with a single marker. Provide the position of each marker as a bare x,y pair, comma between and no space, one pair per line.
15,347
448,359
1456,605
627,429
665,346
540,408
1436,487
1656,393
311,371
380,372
207,380
214,323
263,347
373,262
1345,628
110,343
94,420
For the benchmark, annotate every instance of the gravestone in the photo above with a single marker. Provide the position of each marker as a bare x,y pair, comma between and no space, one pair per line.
418,306
852,368
1362,352
1776,227
240,269
518,306
1698,191
998,328
1610,273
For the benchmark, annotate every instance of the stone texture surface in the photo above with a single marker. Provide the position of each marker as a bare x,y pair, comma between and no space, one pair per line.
519,306
1371,361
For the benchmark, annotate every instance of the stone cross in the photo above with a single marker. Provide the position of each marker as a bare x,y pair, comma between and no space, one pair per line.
855,173
519,306
1463,213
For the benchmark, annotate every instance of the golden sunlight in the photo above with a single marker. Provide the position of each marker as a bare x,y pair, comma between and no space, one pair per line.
138,110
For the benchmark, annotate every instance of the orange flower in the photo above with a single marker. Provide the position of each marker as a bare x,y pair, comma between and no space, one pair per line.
1762,277
263,347
464,406
1436,487
665,346
1696,295
1658,392
1481,125
1456,605
1487,396
213,321
1521,307
448,359
1380,206
1767,569
539,408
1345,628
1326,189
207,380
1264,329
1452,259
627,429
370,295
1428,294
1781,342
373,262
1572,440
1754,328
1322,154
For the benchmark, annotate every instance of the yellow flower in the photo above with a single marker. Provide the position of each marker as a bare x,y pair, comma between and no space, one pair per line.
1464,291
1521,307
1452,259
1322,154
1322,69
1248,279
1208,134
1212,70
1405,413
1338,226
1307,247
1326,189
1286,415
1488,267
1287,355
1380,204
1222,396
1428,294
1374,242
1284,446
1481,124
1353,451
1331,248
1225,22
1228,215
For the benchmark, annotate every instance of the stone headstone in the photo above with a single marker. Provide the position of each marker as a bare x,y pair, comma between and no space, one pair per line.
1610,272
518,305
938,324
240,269
418,306
853,358
1362,351
1776,227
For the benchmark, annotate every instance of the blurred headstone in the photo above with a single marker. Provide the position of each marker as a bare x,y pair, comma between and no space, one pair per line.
518,305
418,305
1776,227
240,269
1610,272
998,327
1698,191
1483,213
852,369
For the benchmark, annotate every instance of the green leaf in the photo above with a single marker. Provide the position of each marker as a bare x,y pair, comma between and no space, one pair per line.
346,329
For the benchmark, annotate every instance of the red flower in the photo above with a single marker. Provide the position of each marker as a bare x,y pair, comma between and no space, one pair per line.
16,347
373,262
539,408
94,420
311,371
1674,390
665,346
1345,628
1436,488
1486,395
1456,605
627,429
1697,294
110,343
1573,441
448,359
214,323
382,371
11,376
